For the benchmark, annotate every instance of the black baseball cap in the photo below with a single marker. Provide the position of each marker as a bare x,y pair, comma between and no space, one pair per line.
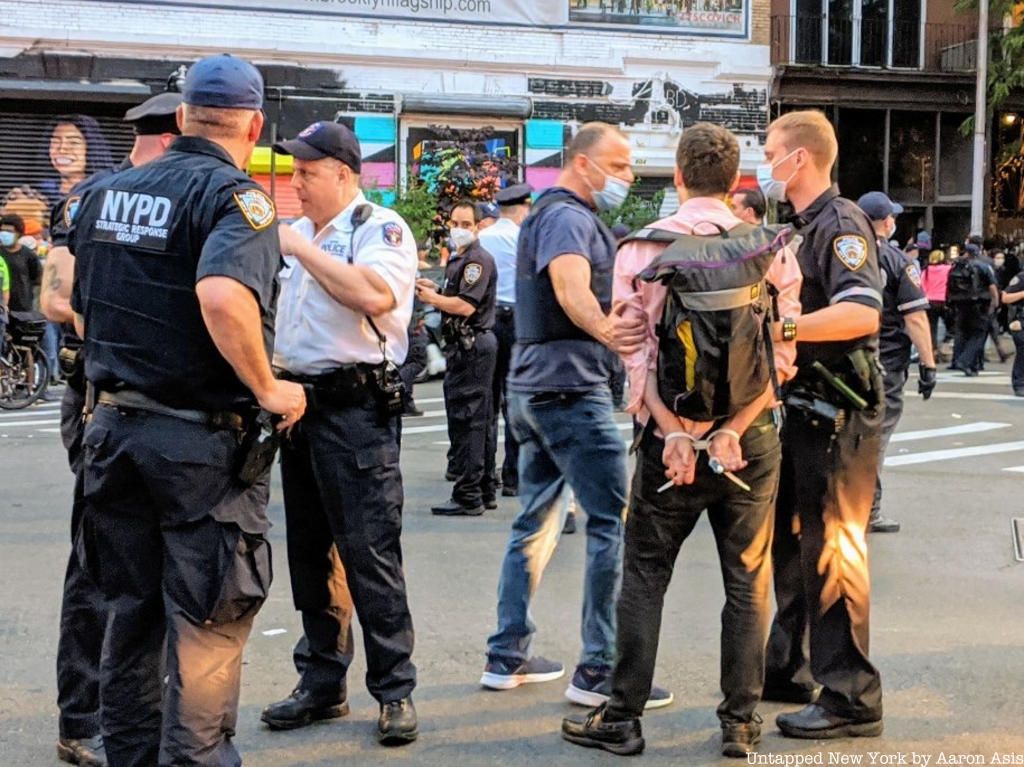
223,82
156,115
514,195
324,139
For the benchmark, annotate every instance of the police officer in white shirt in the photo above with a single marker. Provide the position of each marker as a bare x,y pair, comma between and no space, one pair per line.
346,300
501,241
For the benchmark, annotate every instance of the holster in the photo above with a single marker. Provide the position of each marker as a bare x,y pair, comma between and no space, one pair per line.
72,367
257,449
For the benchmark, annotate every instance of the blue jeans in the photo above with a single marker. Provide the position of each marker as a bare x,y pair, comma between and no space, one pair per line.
564,439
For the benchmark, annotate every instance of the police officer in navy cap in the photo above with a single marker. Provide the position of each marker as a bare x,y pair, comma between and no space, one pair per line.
501,241
342,330
487,214
175,285
83,614
904,323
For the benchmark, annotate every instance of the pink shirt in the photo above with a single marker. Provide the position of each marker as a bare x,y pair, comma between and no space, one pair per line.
649,298
935,281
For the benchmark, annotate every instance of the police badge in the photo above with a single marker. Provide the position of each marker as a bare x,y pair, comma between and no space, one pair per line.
257,208
851,250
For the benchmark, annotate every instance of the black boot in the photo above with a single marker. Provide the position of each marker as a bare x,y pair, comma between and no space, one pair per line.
301,708
624,738
397,724
741,738
814,722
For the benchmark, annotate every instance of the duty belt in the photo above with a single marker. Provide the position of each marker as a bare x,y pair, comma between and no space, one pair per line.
136,400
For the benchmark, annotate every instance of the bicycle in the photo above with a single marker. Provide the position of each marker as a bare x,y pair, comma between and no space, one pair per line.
24,369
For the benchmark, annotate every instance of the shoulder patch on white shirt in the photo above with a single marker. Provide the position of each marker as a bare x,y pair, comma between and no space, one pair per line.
392,233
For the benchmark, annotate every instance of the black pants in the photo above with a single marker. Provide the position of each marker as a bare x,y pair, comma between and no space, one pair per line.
468,390
505,332
656,527
894,381
343,508
1017,375
971,333
937,311
617,381
83,614
178,549
820,562
415,363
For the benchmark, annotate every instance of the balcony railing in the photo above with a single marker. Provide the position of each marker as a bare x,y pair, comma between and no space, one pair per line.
873,43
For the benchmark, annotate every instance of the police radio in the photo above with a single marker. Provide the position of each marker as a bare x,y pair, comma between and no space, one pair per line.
386,383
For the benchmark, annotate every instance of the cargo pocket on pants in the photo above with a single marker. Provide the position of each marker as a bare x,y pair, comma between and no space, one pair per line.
246,582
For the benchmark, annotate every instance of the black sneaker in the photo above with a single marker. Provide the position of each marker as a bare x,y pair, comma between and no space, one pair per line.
301,708
624,738
815,722
490,503
86,752
510,491
502,674
412,411
591,686
397,724
452,508
741,738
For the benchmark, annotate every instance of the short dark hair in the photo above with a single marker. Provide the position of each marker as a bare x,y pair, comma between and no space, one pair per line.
14,220
754,199
588,137
708,156
466,204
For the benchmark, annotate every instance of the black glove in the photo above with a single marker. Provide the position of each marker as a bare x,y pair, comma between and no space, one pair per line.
926,381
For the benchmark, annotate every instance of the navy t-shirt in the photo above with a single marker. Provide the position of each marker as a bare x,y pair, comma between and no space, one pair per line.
571,364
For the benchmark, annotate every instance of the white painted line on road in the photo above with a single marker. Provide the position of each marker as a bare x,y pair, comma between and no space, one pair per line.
1018,469
5,424
958,452
49,431
501,438
948,431
274,632
953,378
15,414
974,396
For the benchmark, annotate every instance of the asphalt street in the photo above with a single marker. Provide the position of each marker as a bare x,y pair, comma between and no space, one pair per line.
947,623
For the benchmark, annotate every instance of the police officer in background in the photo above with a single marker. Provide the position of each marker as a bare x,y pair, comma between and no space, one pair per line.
345,306
830,445
83,614
467,305
175,280
904,322
501,241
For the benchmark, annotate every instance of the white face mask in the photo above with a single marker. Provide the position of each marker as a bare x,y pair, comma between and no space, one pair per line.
772,188
612,194
462,238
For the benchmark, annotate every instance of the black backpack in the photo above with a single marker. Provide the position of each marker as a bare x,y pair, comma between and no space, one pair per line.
965,282
715,354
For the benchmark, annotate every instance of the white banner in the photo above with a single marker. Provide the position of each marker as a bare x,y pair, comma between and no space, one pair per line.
528,12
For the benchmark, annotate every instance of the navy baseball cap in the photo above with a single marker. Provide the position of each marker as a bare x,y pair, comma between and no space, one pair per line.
487,210
325,139
223,82
514,195
878,206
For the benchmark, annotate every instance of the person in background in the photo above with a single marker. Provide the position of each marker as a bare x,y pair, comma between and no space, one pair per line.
501,241
76,149
749,206
5,296
22,263
973,292
1013,299
935,283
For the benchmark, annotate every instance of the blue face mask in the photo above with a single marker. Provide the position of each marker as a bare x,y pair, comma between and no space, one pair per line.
7,239
772,188
612,194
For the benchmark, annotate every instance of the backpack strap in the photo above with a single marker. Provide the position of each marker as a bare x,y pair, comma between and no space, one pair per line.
650,234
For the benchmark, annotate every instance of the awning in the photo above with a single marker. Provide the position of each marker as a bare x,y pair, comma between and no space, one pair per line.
49,90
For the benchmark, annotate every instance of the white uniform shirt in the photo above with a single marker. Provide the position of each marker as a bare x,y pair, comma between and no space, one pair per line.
314,332
501,240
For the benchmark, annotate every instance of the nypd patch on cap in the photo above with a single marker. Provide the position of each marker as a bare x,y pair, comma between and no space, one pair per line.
223,82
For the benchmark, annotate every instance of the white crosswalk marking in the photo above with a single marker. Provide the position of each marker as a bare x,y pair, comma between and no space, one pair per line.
957,452
948,431
939,394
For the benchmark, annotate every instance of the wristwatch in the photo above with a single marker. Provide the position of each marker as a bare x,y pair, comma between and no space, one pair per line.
788,329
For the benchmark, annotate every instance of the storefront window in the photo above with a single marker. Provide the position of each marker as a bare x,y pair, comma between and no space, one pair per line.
862,155
956,157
